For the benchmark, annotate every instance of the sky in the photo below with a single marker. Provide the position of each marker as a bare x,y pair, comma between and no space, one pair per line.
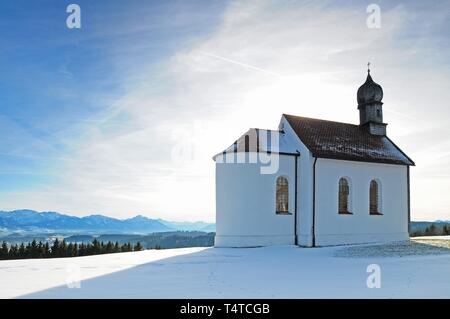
123,115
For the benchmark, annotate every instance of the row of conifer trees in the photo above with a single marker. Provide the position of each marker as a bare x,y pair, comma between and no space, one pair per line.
432,230
59,248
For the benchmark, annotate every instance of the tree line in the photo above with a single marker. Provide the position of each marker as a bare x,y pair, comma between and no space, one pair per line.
432,230
60,248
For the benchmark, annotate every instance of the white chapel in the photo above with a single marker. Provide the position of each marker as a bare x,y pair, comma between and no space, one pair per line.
314,182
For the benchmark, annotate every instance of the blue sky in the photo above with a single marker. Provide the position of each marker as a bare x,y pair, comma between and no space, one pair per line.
94,120
55,81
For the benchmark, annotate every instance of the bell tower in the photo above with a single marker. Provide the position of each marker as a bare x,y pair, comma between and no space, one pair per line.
370,107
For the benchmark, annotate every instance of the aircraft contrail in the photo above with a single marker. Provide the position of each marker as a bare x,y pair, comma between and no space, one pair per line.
245,65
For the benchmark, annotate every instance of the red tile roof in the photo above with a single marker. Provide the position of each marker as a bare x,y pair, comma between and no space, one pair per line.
343,141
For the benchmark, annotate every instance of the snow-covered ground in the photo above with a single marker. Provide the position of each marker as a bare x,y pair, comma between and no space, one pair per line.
407,270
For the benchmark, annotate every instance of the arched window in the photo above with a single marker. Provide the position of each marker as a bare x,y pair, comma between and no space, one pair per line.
246,143
344,196
282,196
374,198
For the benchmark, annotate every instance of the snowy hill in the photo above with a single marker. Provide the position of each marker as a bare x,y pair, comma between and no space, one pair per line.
46,222
419,270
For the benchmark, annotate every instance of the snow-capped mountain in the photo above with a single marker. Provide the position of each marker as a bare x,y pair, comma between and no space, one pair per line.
33,221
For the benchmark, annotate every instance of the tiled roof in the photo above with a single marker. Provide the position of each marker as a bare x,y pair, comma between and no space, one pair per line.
335,140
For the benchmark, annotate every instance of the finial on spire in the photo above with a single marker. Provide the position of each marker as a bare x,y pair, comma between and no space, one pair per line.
368,67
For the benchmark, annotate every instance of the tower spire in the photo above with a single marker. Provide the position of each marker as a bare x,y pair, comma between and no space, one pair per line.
370,107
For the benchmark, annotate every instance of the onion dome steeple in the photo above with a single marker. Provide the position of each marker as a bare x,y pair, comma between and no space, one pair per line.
370,91
370,107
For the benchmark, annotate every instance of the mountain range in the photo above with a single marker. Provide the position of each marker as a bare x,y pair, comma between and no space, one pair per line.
50,222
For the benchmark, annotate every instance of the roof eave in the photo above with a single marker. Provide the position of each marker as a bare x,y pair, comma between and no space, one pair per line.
363,160
400,150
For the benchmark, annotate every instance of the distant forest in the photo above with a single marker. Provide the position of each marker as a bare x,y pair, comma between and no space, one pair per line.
429,229
85,245
164,240
62,249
